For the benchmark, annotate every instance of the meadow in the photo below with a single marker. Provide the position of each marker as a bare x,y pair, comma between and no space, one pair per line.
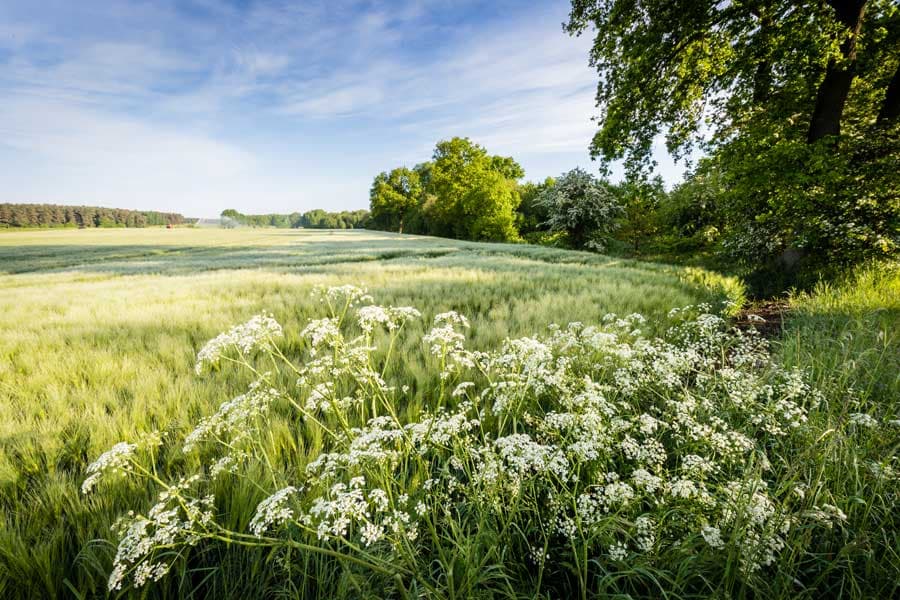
100,335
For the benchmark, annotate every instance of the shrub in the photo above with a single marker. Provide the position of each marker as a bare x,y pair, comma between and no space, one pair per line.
694,207
583,207
640,205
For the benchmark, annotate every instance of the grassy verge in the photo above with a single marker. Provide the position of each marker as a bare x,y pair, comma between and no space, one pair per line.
846,336
847,333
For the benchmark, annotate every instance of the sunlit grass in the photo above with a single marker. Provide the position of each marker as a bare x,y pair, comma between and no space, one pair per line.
848,334
99,329
99,332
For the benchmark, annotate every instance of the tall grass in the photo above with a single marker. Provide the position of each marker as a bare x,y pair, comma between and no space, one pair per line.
846,336
98,336
98,331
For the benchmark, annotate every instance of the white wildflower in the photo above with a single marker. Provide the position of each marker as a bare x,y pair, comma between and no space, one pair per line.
524,456
648,425
371,533
713,536
863,420
451,318
460,389
618,551
342,295
273,511
237,419
646,481
320,332
115,460
148,571
538,555
646,533
256,333
391,318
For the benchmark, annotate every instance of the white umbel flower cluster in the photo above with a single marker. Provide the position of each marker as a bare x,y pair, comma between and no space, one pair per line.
342,296
637,446
391,317
273,511
116,460
236,419
176,519
256,333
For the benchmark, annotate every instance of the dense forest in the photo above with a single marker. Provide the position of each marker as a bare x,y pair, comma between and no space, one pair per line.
55,215
313,219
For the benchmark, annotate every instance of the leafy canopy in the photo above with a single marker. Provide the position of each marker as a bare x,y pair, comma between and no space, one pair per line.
395,195
795,103
682,68
463,192
583,207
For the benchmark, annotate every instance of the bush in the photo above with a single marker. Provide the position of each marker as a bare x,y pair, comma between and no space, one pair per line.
797,211
640,205
584,208
693,209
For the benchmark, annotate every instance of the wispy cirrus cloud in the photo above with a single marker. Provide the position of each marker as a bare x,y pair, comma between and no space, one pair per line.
195,105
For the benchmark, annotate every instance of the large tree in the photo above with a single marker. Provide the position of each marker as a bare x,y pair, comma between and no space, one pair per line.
672,67
640,202
795,102
531,215
583,207
471,194
394,197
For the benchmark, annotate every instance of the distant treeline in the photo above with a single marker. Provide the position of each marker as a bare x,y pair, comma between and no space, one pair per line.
54,215
314,219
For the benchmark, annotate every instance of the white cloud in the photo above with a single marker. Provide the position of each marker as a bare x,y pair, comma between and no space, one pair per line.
279,106
348,99
525,87
257,63
79,136
117,161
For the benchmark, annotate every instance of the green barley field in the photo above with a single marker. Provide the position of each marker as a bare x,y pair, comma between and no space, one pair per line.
99,333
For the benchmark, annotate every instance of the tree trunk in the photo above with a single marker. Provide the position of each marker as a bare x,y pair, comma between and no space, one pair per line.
890,108
762,78
762,83
835,87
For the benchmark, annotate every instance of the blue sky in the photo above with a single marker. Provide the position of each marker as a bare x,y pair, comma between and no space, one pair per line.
277,106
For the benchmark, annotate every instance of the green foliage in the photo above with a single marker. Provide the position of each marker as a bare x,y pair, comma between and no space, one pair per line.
395,196
313,219
664,65
640,202
463,193
584,207
54,215
847,332
531,215
692,208
803,209
792,102
471,194
507,167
